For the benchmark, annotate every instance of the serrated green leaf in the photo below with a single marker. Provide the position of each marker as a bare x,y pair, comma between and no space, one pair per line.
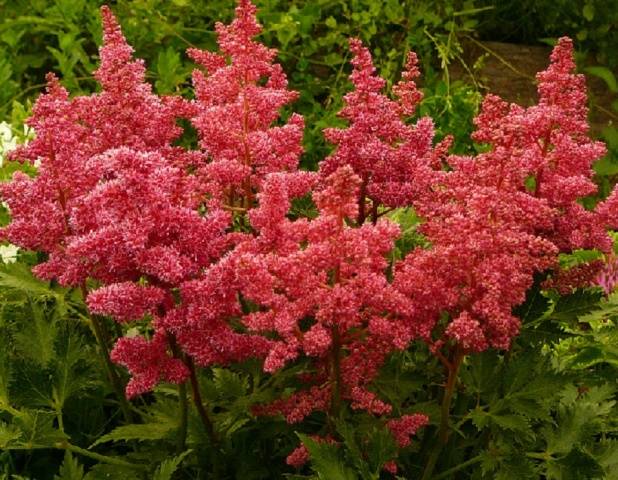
516,467
575,425
479,418
576,465
607,454
35,339
606,309
381,449
18,276
570,307
482,370
72,367
229,384
137,432
9,434
70,469
166,469
38,429
326,460
512,422
587,356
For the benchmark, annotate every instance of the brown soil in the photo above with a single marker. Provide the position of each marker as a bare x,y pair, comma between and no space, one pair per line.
508,70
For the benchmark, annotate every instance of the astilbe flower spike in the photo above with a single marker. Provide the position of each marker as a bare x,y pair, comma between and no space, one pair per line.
489,230
390,156
238,98
68,133
111,202
320,287
551,140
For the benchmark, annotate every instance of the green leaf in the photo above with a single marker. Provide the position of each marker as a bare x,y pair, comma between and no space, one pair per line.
229,384
381,449
516,423
73,367
35,339
38,429
9,434
5,369
605,74
70,469
570,307
166,469
137,432
607,455
516,467
588,12
394,10
577,465
479,418
170,72
331,22
326,460
18,276
606,309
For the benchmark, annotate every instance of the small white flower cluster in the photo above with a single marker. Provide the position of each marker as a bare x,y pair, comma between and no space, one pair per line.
7,140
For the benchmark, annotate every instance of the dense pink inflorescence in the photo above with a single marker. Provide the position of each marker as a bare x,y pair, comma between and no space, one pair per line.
551,141
237,100
68,133
320,287
390,156
405,427
496,219
111,201
607,278
149,363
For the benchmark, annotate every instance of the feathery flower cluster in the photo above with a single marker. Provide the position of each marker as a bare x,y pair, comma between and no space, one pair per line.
237,100
327,271
607,278
388,155
69,132
111,203
490,230
334,274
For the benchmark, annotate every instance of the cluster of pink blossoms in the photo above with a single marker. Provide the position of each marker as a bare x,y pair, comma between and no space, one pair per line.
390,156
237,101
149,225
495,219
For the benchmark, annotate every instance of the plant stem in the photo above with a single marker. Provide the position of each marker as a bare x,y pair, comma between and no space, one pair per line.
443,430
362,213
182,396
336,374
97,456
374,212
197,400
461,466
182,427
101,337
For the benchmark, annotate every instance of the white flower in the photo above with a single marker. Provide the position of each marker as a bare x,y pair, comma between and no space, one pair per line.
7,140
8,253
